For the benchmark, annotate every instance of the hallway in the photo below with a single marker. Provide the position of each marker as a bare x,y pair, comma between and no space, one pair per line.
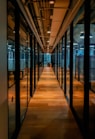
48,115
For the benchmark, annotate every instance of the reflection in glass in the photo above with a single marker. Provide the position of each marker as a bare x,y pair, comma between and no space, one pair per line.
33,67
47,59
11,67
28,76
36,62
59,62
92,72
56,62
24,50
78,63
68,65
62,62
40,61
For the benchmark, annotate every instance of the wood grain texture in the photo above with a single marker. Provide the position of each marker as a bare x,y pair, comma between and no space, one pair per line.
48,115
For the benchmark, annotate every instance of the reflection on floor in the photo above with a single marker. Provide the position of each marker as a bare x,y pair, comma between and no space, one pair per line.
48,115
78,106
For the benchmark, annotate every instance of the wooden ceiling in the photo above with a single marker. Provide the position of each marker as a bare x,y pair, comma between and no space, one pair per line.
41,16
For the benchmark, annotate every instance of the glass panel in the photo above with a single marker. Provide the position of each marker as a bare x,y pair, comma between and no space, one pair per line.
68,65
53,60
28,66
92,71
33,65
56,61
62,63
23,67
40,61
36,62
78,59
28,71
11,67
47,59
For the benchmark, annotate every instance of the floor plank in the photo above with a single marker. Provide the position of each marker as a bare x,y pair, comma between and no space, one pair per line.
48,115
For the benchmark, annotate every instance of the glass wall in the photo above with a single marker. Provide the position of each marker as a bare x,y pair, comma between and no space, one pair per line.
33,64
68,65
80,101
62,62
24,50
19,56
56,62
78,63
11,67
28,68
36,62
40,61
92,71
47,59
59,62
53,61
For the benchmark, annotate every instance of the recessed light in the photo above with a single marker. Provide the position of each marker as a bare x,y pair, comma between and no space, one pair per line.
48,41
51,2
48,31
14,31
82,35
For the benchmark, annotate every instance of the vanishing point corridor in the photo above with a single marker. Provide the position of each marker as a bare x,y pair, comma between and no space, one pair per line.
49,115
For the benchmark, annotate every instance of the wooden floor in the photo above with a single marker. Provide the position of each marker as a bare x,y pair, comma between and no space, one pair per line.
48,115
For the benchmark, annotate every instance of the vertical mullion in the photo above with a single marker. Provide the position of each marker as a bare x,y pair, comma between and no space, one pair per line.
62,65
57,62
54,60
34,64
75,65
65,63
27,69
31,64
86,64
43,59
17,66
38,60
71,64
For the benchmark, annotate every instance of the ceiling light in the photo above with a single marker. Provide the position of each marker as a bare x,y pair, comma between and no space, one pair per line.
81,48
82,35
75,43
51,2
14,31
48,31
91,36
48,41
